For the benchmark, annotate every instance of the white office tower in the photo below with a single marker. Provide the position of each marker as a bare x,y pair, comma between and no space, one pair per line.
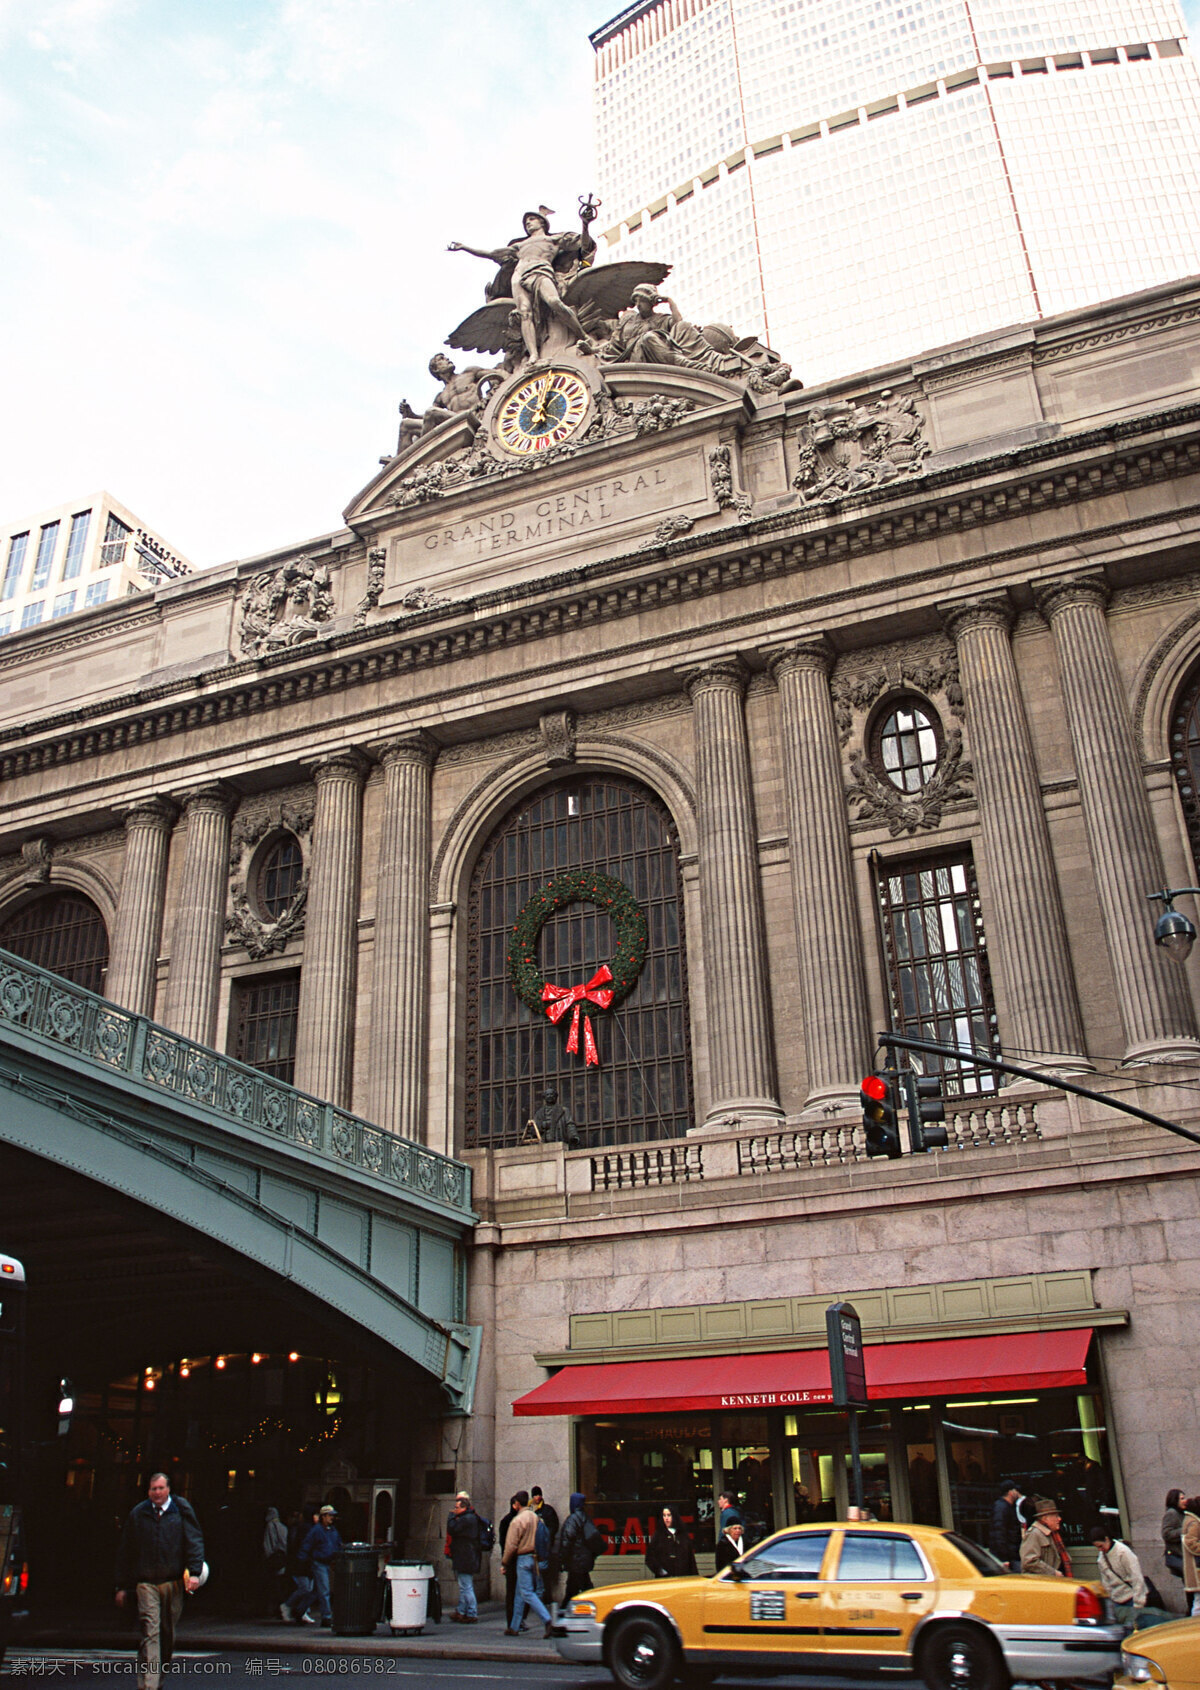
860,180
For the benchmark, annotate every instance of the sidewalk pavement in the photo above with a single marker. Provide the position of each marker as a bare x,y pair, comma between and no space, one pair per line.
484,1641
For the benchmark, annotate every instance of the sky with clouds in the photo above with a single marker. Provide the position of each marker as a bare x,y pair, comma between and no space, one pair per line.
225,226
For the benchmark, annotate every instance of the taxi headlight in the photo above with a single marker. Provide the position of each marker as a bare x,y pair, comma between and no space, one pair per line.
583,1610
1139,1670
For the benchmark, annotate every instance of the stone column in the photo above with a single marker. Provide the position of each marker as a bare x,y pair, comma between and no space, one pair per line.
193,981
741,1061
325,1016
1156,1010
1026,924
137,931
829,957
401,992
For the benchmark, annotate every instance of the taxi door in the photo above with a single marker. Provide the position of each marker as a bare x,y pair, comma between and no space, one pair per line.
878,1590
769,1602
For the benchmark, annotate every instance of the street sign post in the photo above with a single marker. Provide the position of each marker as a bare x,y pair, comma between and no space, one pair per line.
848,1377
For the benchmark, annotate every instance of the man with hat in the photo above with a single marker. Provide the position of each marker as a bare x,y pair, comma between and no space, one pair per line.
1043,1551
322,1542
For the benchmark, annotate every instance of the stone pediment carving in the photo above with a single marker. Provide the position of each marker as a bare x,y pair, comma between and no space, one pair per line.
285,606
847,448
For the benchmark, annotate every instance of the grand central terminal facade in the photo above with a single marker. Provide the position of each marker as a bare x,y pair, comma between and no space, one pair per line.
653,733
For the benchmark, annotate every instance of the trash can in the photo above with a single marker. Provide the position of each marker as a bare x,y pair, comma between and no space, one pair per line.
408,1582
354,1590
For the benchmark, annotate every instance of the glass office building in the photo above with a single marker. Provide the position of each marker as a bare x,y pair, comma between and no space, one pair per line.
860,180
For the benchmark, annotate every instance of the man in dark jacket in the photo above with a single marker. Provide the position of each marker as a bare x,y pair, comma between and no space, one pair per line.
462,1536
161,1555
510,1567
1004,1537
579,1542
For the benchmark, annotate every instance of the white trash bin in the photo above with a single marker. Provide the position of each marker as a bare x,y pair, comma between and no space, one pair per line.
408,1582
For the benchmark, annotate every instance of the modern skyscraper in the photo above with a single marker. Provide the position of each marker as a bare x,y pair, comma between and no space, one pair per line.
75,557
860,180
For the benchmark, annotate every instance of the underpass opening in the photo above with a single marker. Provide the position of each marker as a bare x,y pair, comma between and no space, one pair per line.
246,1390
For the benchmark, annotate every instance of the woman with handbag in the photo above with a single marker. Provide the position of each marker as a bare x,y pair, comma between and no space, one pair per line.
1172,1532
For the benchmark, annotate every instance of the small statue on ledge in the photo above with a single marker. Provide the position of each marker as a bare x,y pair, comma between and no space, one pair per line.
552,1123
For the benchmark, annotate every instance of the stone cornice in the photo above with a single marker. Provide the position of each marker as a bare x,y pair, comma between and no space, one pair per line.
697,566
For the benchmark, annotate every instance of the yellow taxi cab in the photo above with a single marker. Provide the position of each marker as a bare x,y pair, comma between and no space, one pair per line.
1166,1655
856,1597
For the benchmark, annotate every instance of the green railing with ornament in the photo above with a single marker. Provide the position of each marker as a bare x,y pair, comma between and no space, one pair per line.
48,1008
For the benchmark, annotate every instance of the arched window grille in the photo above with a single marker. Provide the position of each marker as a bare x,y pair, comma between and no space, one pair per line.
279,877
64,932
643,1086
1185,759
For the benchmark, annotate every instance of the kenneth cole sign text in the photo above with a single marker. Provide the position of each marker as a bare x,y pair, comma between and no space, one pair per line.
775,1399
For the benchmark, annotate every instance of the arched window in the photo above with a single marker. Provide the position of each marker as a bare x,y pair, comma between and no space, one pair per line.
1185,759
907,744
278,877
642,1088
61,931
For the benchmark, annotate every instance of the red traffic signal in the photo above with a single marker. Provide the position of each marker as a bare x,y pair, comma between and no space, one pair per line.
874,1087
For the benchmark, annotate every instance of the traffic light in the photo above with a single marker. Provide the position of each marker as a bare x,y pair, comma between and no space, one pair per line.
924,1102
879,1096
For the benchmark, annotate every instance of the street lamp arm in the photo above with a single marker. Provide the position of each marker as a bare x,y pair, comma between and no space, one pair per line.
960,1053
1165,896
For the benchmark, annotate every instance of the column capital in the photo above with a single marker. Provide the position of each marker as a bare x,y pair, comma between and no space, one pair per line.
215,797
963,616
1053,596
349,764
156,814
814,652
722,674
417,747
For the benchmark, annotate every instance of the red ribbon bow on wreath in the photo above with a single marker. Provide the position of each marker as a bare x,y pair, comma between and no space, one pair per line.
558,999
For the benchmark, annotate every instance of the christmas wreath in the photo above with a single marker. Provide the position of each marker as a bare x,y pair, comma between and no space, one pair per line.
610,984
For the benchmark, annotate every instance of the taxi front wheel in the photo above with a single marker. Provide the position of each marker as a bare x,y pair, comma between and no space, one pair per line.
961,1657
643,1654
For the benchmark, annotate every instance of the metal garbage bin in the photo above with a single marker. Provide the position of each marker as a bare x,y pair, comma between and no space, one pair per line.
354,1590
408,1582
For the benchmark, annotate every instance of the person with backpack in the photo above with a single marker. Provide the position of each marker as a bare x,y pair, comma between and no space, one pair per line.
464,1535
580,1542
1131,1593
520,1549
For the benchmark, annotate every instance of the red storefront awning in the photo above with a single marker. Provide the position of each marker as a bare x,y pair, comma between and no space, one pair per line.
941,1367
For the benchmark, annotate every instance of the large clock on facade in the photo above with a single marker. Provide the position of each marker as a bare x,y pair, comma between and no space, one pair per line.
543,411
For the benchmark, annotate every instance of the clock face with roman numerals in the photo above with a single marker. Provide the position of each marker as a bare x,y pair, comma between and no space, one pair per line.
542,412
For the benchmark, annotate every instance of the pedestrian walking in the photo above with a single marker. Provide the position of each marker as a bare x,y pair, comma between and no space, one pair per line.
275,1554
463,1535
1189,1543
729,1545
547,1564
727,1509
580,1543
510,1567
321,1543
1172,1532
670,1554
1125,1583
1042,1550
1004,1535
520,1547
161,1556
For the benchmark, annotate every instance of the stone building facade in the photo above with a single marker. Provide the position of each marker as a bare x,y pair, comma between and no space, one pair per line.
881,700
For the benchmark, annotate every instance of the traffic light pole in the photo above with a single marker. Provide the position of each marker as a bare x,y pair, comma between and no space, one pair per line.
958,1054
